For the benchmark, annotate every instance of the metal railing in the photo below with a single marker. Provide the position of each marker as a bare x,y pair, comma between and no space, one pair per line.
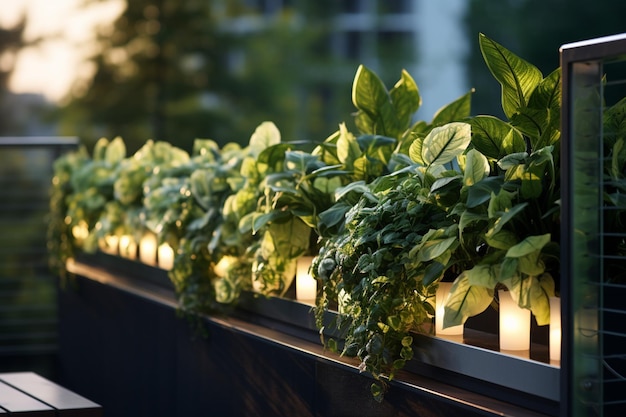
593,266
28,312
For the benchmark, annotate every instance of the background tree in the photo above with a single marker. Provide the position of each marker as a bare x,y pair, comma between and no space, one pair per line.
171,70
11,41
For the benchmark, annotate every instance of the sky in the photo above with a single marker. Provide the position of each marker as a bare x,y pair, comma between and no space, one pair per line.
51,68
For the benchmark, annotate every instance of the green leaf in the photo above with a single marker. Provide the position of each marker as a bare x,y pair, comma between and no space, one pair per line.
482,191
506,217
541,120
528,245
456,111
369,93
504,239
517,77
495,138
483,276
407,341
445,143
115,151
334,215
465,301
415,150
264,136
406,99
434,248
512,160
348,149
476,167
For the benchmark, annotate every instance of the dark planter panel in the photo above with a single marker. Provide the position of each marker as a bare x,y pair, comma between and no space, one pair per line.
130,352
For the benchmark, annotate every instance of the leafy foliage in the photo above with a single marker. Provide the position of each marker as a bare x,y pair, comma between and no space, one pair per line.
391,210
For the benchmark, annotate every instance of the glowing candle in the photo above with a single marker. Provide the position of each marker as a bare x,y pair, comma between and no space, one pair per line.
440,298
555,329
128,247
223,266
80,231
166,256
514,324
109,244
148,249
306,285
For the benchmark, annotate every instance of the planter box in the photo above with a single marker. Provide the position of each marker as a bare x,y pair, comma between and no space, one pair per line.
119,332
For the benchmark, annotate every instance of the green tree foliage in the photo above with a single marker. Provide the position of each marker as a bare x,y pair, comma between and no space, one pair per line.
11,41
176,71
534,29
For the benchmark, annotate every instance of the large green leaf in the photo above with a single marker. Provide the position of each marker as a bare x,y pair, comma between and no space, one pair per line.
115,151
495,138
528,245
264,136
533,293
456,111
506,217
445,143
434,248
517,77
476,167
406,99
482,191
376,114
369,93
483,276
465,301
504,239
348,149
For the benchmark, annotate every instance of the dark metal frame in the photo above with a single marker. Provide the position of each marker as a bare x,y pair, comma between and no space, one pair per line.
581,294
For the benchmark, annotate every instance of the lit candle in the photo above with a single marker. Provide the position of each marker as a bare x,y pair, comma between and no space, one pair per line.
306,285
514,324
80,231
440,298
166,256
222,267
555,329
128,247
109,244
148,249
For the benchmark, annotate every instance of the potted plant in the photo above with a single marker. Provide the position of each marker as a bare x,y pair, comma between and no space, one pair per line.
474,201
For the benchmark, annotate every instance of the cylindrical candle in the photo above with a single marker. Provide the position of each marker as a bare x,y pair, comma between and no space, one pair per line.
306,285
514,324
221,268
128,247
148,249
555,329
109,244
443,290
165,256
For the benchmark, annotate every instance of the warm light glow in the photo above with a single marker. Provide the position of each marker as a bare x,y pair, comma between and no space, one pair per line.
555,329
68,30
148,249
514,324
306,285
109,244
440,298
224,264
128,247
80,231
166,256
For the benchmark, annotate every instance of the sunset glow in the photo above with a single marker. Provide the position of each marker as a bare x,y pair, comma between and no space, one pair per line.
68,31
